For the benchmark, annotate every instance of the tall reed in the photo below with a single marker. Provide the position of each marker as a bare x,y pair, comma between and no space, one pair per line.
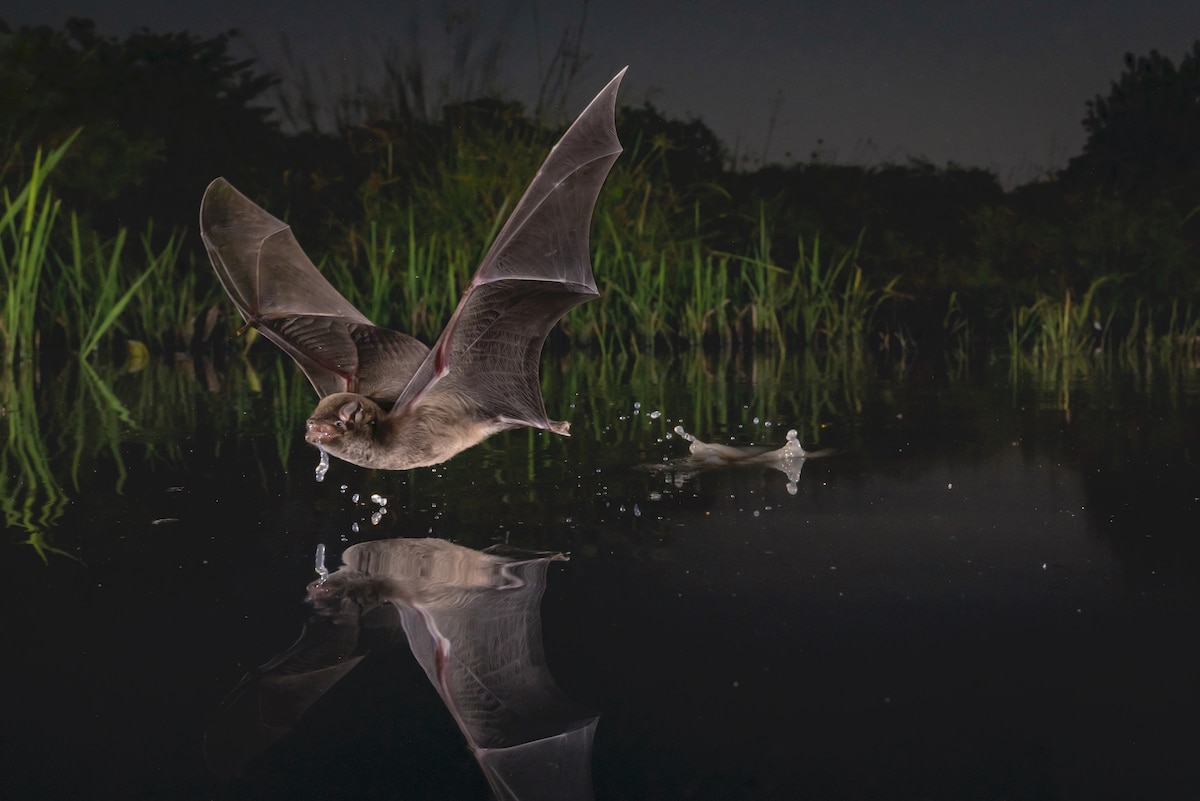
1052,329
822,302
164,311
653,291
70,278
26,227
97,289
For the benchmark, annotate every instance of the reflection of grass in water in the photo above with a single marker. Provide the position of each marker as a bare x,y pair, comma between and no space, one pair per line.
725,390
86,419
579,387
169,415
292,401
191,416
57,431
31,496
1058,342
582,388
103,428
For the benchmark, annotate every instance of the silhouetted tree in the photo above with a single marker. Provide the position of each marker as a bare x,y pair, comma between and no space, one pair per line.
162,114
1144,137
683,151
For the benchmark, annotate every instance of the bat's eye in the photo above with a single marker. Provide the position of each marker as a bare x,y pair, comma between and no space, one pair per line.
341,425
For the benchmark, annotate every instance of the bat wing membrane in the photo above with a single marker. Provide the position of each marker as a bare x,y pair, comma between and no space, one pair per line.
536,270
279,291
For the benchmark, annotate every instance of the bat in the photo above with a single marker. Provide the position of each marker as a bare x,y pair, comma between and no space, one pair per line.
472,620
386,400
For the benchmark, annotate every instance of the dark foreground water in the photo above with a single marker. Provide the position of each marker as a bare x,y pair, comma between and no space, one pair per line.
990,591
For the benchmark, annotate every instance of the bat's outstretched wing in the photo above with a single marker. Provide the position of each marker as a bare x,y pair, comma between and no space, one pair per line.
537,269
280,292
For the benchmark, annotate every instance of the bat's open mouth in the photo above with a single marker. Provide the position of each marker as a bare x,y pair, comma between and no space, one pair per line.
319,432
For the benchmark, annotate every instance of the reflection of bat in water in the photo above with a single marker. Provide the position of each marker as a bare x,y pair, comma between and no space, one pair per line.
473,621
788,459
388,401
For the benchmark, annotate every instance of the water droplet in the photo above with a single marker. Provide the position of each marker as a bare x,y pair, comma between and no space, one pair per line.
323,465
319,564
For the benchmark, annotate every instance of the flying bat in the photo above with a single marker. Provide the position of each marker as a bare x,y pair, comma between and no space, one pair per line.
387,400
472,620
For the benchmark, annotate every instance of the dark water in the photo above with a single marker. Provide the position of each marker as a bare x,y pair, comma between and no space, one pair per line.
991,590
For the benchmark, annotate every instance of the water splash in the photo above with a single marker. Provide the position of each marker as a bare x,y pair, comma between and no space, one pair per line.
788,459
793,449
319,564
323,465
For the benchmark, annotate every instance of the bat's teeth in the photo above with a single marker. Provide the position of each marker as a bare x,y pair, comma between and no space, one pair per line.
318,432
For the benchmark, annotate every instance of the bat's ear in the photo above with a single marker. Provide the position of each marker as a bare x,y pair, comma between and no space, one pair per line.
352,412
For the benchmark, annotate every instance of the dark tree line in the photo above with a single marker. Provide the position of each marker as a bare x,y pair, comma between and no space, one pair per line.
1143,138
165,113
161,115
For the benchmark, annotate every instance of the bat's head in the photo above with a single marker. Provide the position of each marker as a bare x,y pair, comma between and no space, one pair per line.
344,424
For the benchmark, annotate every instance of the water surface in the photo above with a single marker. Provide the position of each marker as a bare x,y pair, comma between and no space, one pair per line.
989,591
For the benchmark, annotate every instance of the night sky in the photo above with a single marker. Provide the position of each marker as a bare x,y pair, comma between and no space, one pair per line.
999,85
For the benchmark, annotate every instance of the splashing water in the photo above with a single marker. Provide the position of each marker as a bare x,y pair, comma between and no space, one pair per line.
319,564
792,449
323,465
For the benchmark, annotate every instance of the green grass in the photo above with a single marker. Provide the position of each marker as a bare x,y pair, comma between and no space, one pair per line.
97,289
654,292
26,227
64,277
662,288
1052,328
